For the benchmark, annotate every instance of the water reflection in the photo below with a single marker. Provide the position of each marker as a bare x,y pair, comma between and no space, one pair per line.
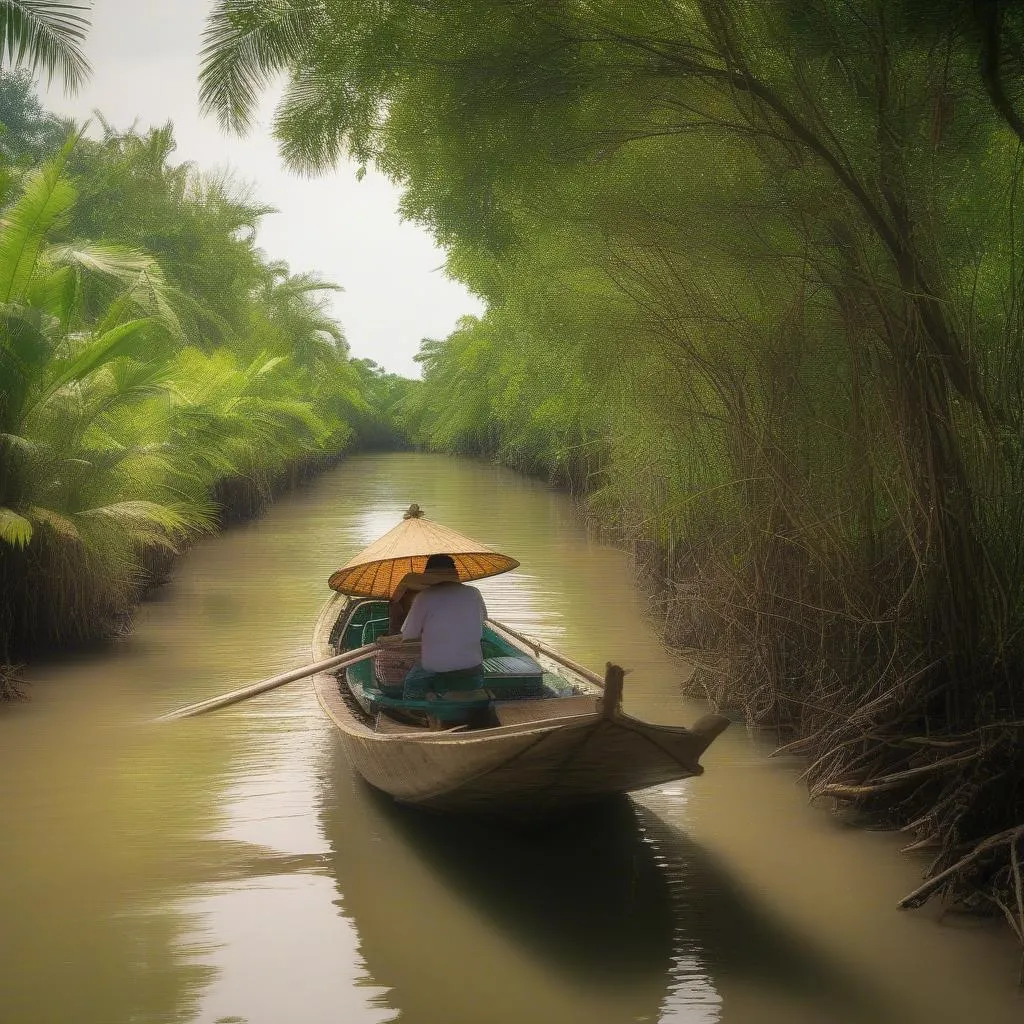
98,828
613,915
460,922
743,945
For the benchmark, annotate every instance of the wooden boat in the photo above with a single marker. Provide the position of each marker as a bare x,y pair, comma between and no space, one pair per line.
554,734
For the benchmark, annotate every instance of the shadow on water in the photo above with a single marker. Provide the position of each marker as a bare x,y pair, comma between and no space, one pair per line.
583,893
610,915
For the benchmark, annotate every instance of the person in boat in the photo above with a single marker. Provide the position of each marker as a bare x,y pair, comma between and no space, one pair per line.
440,569
401,604
448,618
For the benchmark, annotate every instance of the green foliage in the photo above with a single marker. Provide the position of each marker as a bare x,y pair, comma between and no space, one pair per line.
381,418
153,378
28,134
200,228
752,259
47,35
246,42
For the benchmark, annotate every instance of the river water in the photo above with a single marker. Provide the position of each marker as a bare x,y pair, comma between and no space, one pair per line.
231,868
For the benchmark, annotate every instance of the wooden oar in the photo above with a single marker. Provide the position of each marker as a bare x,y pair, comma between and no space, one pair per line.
212,703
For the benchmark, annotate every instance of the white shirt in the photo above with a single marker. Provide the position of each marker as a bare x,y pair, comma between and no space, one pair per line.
450,619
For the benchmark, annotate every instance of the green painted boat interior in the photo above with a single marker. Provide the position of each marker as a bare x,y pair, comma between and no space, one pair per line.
510,673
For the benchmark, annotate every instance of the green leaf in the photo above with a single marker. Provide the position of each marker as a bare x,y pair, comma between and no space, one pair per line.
117,261
45,199
145,515
246,43
114,343
18,442
14,529
45,34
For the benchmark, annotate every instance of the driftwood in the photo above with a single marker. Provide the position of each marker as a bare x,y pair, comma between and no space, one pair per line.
891,781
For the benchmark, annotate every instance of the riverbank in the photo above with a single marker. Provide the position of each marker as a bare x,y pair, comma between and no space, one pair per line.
160,375
880,751
883,748
235,500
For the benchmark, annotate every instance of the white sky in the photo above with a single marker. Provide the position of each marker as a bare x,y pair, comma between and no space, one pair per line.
145,57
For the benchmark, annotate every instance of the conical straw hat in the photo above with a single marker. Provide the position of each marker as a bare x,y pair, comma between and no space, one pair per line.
376,571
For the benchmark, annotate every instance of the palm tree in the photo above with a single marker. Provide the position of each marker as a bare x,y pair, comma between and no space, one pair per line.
45,34
247,42
121,430
88,482
338,78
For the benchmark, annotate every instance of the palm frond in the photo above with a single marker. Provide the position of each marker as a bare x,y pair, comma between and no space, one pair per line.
116,261
155,539
305,283
200,312
46,197
150,292
262,366
109,345
284,413
313,123
56,293
15,530
18,442
147,287
177,518
245,44
45,34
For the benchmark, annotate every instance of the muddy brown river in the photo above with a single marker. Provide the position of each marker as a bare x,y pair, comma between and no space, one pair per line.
231,868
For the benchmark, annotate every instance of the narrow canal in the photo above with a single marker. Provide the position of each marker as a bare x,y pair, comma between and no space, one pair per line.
230,868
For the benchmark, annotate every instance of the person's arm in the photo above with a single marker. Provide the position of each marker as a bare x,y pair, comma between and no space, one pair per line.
413,625
483,611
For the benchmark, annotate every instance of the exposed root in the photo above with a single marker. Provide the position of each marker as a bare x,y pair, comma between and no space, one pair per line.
896,779
1011,838
924,744
12,686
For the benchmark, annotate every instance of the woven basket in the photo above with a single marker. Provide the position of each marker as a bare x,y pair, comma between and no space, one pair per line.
392,664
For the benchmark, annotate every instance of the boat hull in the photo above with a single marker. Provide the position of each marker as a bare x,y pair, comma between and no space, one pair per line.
530,769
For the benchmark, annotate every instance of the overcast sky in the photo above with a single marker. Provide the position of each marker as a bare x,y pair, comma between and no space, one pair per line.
145,57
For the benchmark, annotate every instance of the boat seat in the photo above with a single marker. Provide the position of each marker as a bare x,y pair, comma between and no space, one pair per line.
511,665
518,712
373,629
513,675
